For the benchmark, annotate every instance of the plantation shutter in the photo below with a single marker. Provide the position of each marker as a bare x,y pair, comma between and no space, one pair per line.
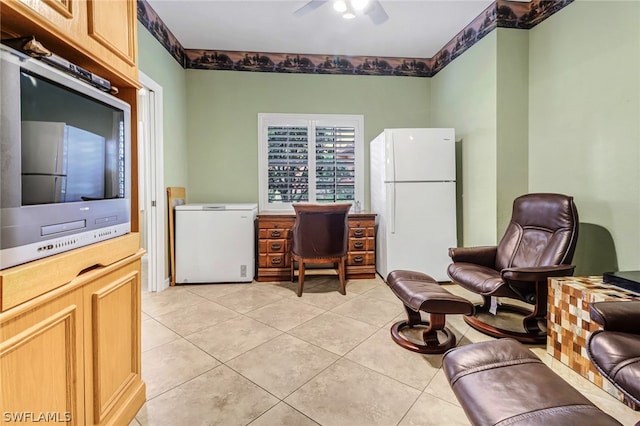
309,158
288,164
335,164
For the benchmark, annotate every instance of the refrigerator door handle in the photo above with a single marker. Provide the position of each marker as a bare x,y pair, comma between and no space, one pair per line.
392,203
392,192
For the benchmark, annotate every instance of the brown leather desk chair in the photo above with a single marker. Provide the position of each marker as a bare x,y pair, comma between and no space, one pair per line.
539,243
615,350
320,235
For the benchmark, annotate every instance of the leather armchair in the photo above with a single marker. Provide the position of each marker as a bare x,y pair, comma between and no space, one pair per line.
615,350
539,243
320,235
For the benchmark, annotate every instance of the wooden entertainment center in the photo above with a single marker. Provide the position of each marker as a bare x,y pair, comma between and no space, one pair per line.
70,324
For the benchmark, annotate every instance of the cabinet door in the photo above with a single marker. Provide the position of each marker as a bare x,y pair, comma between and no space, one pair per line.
112,345
41,362
62,16
112,24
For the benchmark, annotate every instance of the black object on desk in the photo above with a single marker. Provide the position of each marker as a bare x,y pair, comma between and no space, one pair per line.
629,280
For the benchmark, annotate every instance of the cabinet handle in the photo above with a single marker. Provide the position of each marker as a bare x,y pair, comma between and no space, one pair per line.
358,244
276,260
358,259
275,234
276,246
358,232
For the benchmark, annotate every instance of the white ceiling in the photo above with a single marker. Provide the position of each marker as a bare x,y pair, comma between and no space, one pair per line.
415,28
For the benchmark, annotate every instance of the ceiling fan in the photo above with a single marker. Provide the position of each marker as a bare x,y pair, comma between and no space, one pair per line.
349,9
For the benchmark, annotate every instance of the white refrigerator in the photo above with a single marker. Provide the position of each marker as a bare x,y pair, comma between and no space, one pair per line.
413,193
215,243
61,163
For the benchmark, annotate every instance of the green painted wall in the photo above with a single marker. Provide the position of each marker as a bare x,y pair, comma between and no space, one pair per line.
463,96
223,119
157,64
484,95
584,125
553,109
512,122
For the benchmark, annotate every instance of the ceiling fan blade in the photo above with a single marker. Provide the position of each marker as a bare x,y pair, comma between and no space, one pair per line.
309,7
377,13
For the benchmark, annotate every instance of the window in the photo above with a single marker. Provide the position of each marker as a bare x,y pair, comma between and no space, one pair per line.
310,158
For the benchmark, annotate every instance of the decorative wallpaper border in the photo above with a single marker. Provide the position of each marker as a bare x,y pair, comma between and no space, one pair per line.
524,16
307,64
501,13
152,22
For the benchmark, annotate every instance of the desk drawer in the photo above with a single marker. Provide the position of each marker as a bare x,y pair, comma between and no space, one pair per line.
275,233
362,222
361,258
362,244
361,232
273,246
274,260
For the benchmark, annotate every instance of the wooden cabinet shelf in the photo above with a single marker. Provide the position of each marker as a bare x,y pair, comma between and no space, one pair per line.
274,258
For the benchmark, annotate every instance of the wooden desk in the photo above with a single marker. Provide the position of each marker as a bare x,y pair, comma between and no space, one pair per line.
274,258
569,323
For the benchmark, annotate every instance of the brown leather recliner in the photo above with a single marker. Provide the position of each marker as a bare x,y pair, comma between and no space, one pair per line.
539,243
320,235
615,350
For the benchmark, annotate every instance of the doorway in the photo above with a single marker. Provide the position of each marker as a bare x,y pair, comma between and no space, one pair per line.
151,184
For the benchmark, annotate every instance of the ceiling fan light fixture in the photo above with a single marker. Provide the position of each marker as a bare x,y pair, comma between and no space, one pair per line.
350,9
340,6
359,4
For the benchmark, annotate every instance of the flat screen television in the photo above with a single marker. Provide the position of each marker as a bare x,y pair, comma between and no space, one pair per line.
64,160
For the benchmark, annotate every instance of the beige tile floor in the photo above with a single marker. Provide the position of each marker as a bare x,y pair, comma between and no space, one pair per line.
240,354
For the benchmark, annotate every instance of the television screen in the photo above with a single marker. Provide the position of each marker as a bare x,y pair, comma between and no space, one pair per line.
72,146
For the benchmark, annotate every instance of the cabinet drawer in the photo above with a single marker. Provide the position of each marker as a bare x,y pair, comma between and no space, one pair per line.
273,246
278,223
361,232
361,244
361,258
273,233
274,260
362,223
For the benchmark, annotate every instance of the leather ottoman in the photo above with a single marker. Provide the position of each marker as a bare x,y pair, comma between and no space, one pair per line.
419,292
502,382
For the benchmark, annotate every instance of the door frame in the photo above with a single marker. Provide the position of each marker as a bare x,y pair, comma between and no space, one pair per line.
151,180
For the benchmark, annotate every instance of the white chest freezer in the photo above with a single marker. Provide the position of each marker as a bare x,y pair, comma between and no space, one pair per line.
215,243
